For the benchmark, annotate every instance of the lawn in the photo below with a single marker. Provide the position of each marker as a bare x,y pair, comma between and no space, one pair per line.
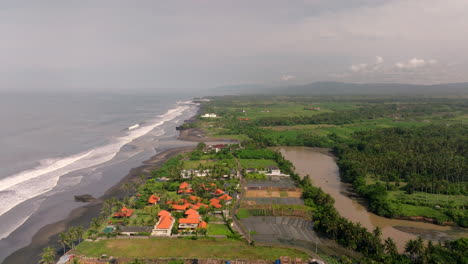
243,213
183,248
257,163
194,164
218,229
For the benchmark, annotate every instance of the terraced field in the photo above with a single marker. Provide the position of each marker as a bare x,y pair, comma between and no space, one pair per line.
273,230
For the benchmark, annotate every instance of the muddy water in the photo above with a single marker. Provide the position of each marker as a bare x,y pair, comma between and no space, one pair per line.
323,172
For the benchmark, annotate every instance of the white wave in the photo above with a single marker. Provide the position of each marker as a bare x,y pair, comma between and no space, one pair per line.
31,183
6,230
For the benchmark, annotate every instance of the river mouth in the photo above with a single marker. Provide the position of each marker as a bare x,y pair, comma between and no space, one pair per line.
320,165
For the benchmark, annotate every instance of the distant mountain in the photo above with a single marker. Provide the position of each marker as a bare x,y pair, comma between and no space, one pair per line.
335,88
375,88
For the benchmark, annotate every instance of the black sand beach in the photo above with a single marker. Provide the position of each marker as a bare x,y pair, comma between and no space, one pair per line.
48,235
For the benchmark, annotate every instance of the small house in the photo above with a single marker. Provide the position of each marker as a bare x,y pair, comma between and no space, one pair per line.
153,199
124,212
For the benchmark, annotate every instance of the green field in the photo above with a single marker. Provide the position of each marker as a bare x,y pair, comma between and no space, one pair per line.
194,164
243,213
218,229
183,248
257,163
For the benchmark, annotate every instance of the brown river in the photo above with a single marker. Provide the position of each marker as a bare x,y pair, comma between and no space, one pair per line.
323,171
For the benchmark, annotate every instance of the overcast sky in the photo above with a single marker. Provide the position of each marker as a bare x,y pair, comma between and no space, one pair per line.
194,44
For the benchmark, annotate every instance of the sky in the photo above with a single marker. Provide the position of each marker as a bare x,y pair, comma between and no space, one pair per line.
114,45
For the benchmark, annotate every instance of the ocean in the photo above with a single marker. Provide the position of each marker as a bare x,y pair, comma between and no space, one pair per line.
54,146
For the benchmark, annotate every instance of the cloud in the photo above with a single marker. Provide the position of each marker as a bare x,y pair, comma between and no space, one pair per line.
379,60
358,67
367,67
287,77
415,63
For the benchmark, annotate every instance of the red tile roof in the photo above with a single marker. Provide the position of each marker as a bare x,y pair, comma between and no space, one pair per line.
202,224
124,212
179,207
163,213
215,203
165,222
190,211
218,192
201,205
153,199
225,197
183,185
195,198
189,221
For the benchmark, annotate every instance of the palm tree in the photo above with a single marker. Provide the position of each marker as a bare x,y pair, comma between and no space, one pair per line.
415,248
79,233
48,256
63,237
390,246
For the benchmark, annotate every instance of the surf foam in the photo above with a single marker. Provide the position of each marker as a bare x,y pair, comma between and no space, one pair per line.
28,184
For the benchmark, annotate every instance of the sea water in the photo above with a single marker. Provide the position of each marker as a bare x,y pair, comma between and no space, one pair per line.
51,143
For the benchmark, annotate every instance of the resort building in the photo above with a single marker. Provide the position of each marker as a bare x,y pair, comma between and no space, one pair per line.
191,220
226,198
124,212
153,199
164,225
184,188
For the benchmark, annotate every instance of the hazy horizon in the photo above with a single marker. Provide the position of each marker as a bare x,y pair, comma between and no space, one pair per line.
181,46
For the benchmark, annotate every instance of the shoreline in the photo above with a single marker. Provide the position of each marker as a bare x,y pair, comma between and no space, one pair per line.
82,216
48,235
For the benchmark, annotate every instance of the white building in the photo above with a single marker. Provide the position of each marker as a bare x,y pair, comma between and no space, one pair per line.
210,115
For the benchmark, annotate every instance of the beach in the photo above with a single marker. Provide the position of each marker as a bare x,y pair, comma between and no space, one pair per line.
95,157
185,141
48,235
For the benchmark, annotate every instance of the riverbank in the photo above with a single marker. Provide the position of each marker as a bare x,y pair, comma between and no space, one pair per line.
323,172
48,235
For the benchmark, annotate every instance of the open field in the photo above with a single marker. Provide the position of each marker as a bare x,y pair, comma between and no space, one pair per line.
183,248
283,183
429,199
193,164
218,229
275,201
257,163
274,192
273,229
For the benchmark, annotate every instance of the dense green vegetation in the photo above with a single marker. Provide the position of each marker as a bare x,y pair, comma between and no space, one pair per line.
354,236
428,159
388,146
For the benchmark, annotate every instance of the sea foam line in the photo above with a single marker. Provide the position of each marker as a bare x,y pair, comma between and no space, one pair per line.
31,183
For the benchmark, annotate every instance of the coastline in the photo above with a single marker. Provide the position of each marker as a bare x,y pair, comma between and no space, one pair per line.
82,215
48,235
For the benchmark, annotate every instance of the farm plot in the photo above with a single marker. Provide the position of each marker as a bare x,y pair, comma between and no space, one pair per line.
280,230
273,192
263,200
285,183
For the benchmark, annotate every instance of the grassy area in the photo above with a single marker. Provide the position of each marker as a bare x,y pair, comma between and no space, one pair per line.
412,210
234,137
429,198
194,164
218,229
243,213
257,163
183,248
